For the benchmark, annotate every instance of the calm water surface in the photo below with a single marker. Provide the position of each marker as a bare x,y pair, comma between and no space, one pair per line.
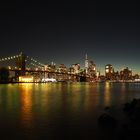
56,111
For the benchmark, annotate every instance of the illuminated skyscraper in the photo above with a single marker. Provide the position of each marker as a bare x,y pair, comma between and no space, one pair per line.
76,68
86,64
109,71
126,74
92,69
62,68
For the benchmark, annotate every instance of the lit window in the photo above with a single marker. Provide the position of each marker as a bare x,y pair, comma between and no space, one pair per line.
107,70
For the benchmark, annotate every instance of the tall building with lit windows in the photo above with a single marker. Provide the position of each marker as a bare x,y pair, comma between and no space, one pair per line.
52,67
86,64
92,69
62,68
109,72
76,68
126,74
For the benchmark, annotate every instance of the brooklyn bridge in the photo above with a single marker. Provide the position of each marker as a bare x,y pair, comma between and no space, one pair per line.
24,66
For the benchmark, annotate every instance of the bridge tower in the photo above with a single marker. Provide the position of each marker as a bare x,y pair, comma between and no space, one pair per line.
21,64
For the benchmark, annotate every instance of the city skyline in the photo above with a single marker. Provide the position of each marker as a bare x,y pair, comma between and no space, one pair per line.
27,69
5,62
63,32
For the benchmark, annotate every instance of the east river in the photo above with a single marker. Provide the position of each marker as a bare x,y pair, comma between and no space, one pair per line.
60,111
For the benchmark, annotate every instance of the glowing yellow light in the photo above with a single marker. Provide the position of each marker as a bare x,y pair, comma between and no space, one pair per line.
9,67
26,79
107,70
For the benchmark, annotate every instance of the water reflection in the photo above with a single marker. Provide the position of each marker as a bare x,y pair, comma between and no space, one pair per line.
58,108
26,104
107,94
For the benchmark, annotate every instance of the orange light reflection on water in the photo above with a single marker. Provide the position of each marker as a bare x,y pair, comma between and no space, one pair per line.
26,104
107,93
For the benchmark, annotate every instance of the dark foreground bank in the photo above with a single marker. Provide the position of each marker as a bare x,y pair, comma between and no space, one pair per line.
127,128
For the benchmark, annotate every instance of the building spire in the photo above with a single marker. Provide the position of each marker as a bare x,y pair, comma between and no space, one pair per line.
86,56
86,63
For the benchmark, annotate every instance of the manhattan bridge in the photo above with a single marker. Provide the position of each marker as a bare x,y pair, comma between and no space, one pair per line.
24,65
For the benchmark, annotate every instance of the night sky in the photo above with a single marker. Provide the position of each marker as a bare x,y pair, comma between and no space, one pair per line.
63,32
